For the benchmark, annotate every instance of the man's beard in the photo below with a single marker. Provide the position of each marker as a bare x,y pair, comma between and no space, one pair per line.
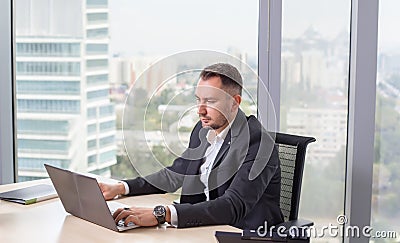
218,123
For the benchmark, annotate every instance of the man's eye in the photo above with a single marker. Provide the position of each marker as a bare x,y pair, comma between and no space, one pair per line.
205,101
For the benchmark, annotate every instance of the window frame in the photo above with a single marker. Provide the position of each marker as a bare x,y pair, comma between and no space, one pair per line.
8,162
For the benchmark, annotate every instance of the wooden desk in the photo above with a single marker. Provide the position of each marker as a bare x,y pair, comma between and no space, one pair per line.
47,221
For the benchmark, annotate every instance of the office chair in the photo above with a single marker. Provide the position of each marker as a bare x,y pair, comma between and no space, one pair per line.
292,152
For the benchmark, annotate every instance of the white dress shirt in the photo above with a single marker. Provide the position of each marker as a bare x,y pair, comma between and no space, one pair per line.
216,142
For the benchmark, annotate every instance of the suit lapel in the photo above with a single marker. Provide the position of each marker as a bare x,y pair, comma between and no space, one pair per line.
222,151
226,164
192,182
237,126
199,152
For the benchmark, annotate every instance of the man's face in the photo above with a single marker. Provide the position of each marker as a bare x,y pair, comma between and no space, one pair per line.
215,106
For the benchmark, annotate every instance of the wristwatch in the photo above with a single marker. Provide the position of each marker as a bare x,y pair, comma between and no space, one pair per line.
159,212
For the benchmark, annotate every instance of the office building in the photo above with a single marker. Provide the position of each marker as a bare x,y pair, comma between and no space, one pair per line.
64,113
328,125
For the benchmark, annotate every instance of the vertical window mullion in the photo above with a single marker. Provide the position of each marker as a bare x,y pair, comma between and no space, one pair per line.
7,138
269,63
361,122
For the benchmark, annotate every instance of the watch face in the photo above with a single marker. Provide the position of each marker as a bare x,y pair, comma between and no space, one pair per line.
159,211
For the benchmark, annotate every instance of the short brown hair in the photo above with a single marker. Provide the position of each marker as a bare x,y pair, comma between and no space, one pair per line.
229,75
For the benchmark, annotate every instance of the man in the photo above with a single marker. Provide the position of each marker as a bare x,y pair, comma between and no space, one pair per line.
230,173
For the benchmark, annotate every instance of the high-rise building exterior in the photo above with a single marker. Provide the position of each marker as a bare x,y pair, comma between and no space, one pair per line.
327,125
64,113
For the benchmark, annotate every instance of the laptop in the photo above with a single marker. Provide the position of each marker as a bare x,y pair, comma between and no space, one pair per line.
81,196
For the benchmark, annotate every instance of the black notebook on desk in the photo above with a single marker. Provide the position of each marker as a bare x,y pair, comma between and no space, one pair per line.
30,194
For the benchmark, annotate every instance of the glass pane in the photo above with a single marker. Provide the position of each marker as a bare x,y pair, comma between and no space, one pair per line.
386,179
314,78
97,18
76,62
228,27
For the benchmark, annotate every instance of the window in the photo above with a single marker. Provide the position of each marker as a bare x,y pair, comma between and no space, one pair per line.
92,112
97,49
48,68
64,68
97,79
386,179
97,33
97,18
98,94
314,81
97,3
107,141
92,128
107,156
142,46
29,49
96,64
30,126
92,159
43,145
106,110
48,87
37,164
48,106
92,144
107,126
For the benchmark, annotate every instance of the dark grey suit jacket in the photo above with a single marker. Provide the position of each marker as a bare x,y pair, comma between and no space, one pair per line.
244,184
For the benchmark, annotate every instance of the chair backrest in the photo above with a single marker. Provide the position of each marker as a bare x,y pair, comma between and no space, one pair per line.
292,152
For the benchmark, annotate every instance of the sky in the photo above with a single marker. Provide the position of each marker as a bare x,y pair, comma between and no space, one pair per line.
160,27
166,27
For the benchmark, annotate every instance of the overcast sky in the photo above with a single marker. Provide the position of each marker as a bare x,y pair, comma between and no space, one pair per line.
159,27
166,27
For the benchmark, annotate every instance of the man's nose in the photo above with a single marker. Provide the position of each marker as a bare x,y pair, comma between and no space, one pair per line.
201,110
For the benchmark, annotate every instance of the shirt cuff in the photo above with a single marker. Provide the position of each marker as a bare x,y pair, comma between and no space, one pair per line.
126,187
174,216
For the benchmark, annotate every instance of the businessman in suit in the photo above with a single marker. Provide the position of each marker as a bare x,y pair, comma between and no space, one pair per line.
229,174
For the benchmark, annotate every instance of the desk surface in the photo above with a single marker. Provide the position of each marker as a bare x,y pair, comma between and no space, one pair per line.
47,221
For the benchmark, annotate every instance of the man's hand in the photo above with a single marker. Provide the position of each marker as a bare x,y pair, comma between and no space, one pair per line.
139,216
110,191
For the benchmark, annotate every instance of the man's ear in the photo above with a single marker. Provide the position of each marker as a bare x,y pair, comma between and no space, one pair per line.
237,99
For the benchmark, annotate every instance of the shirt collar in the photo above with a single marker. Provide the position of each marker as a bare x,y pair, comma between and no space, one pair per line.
212,136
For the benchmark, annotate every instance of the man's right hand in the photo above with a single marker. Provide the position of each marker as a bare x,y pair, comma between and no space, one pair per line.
110,191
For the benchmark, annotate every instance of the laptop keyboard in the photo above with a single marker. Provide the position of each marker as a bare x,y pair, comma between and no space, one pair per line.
121,223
